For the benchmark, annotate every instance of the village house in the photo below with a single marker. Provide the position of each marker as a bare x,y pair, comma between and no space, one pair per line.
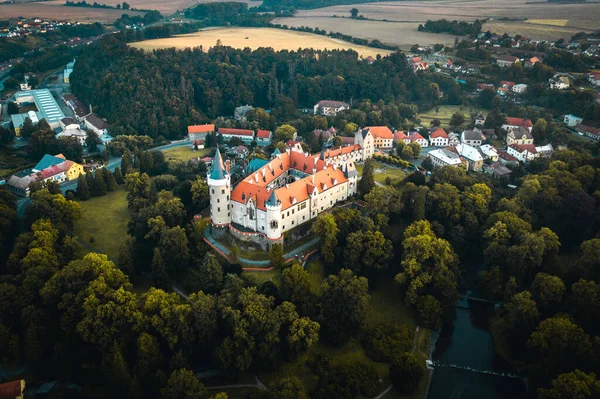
488,152
514,123
416,137
438,137
588,131
239,113
382,137
594,78
417,64
480,120
329,108
532,61
453,139
400,136
263,137
485,86
572,120
327,136
522,152
472,155
445,157
78,108
245,135
520,88
241,152
506,60
544,151
472,137
96,124
198,144
497,170
519,135
506,158
196,132
558,82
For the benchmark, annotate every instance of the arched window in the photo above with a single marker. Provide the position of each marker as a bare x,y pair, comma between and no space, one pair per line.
274,224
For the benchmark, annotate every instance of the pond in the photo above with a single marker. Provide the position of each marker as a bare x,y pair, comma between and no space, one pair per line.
465,363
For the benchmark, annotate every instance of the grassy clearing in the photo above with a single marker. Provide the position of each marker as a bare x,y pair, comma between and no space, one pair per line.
255,38
553,22
382,171
105,219
444,114
184,153
259,278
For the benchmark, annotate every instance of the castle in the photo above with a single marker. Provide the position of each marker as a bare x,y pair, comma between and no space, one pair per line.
292,189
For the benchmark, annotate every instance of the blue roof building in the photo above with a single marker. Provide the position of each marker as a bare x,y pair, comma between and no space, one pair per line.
47,161
255,165
47,108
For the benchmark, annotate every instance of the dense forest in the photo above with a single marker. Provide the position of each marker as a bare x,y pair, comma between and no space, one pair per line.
161,93
220,14
461,28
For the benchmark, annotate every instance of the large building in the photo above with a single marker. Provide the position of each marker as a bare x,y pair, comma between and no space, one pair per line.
46,108
329,108
383,138
292,189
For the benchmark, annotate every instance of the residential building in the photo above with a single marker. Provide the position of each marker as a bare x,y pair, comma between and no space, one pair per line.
49,168
78,108
416,137
522,152
572,120
79,134
531,62
503,91
417,64
520,88
588,131
197,144
46,106
519,135
365,139
507,159
196,132
19,183
453,139
544,151
96,124
400,136
485,86
290,190
228,133
263,137
594,78
506,83
326,135
559,82
488,152
241,151
480,119
445,157
329,108
506,60
73,170
497,170
382,137
239,114
472,155
438,137
471,137
68,123
514,123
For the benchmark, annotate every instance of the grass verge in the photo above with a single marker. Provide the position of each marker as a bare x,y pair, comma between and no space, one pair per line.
184,153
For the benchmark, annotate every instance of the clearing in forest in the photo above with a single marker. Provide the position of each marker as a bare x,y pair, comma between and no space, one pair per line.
255,38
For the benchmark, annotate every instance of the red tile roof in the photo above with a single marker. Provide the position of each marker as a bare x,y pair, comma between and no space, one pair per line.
519,122
400,136
439,132
381,132
506,156
263,134
416,136
236,132
201,128
524,147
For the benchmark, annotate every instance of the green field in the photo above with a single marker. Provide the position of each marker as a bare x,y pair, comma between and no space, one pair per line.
104,218
382,171
12,161
445,113
184,153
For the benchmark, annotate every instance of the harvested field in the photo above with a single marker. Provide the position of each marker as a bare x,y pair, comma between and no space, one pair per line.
551,22
55,11
545,32
582,16
255,38
165,7
402,34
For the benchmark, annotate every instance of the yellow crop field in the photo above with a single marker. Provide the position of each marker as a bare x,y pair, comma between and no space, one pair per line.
254,38
553,22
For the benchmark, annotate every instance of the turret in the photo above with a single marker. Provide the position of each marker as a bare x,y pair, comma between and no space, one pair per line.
273,206
220,190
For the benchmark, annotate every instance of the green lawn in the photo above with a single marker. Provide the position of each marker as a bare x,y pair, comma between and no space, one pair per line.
445,113
184,153
384,171
11,161
105,219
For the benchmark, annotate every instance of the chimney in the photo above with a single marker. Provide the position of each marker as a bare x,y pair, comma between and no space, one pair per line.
228,165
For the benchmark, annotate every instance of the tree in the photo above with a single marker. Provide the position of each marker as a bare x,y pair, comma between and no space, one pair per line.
350,129
354,13
416,149
276,256
573,385
138,190
400,145
118,176
200,194
105,156
406,373
160,278
127,256
295,288
457,119
69,147
109,177
91,142
407,152
116,371
367,251
344,300
326,229
589,261
387,342
289,388
284,133
12,108
83,192
126,162
125,6
183,384
367,181
98,187
435,123
211,274
547,291
539,129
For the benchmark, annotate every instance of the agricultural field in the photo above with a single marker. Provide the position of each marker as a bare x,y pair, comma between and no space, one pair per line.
581,17
54,10
528,29
255,38
401,34
105,219
184,153
445,113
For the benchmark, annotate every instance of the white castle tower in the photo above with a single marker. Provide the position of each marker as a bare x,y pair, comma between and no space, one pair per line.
220,190
273,206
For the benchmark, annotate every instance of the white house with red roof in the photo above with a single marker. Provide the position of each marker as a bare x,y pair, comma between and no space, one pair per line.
383,138
515,123
532,61
263,137
416,137
418,64
438,137
244,134
401,136
330,108
506,60
196,132
522,152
